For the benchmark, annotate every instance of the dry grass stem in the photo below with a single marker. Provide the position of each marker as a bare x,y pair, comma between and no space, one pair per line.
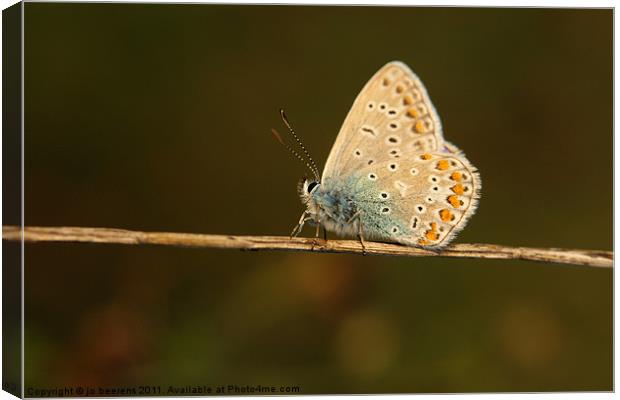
591,258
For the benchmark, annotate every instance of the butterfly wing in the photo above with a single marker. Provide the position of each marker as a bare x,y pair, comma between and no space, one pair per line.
422,200
391,117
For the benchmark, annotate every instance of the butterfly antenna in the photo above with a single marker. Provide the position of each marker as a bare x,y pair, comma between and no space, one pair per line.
314,168
293,152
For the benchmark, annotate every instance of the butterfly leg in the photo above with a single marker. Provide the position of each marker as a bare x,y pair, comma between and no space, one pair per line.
360,232
300,225
360,235
315,241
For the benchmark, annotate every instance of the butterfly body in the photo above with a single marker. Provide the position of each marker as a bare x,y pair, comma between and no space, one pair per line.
390,175
344,206
334,205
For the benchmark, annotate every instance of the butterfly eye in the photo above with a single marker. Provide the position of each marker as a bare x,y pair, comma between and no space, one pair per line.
311,186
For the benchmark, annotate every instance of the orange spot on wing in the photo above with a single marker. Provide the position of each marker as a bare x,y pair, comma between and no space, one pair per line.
412,112
408,100
446,215
454,200
456,176
419,127
458,189
422,242
425,156
430,235
443,165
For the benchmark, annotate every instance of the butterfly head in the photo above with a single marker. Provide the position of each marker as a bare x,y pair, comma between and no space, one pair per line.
306,188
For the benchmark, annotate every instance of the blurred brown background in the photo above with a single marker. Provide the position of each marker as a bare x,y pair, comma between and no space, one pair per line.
157,117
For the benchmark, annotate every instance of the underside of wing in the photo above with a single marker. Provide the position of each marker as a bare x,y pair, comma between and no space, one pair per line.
392,116
419,201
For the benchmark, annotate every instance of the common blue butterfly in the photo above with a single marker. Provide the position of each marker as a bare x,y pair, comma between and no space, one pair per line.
390,175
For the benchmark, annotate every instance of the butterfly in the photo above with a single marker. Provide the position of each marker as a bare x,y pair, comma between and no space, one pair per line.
390,175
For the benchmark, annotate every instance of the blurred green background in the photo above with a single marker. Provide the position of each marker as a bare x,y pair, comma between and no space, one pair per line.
157,117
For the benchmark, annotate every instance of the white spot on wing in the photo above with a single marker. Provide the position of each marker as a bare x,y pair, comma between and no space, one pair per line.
402,187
